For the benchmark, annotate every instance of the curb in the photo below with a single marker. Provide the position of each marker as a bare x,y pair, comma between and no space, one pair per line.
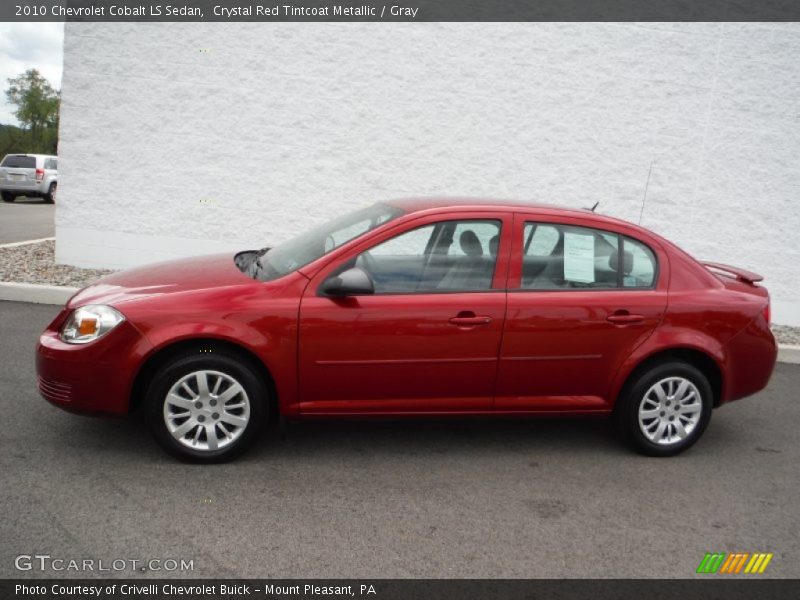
56,294
789,354
26,242
38,294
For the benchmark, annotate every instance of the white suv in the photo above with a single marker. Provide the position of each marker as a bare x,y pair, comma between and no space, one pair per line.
29,175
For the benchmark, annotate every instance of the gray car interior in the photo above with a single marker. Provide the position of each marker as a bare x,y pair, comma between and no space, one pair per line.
440,270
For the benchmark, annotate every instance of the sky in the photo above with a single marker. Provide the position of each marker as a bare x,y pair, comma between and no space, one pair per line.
29,45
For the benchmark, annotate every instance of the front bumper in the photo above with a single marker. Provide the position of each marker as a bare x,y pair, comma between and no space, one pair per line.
94,378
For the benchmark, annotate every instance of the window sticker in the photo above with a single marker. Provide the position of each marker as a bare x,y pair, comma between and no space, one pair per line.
579,257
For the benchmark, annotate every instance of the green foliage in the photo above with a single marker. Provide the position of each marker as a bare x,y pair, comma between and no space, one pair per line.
37,110
15,140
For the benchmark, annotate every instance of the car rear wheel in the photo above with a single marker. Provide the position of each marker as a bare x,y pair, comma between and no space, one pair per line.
206,406
8,197
51,193
666,409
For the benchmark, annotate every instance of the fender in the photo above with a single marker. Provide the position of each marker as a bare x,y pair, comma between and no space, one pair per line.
665,338
267,330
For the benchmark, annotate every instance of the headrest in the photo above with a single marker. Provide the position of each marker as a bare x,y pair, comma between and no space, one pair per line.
627,262
470,244
493,244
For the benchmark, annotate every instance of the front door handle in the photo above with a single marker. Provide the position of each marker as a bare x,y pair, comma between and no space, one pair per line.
471,320
622,318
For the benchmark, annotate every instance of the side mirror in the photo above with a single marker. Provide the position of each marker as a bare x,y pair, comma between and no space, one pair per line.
352,282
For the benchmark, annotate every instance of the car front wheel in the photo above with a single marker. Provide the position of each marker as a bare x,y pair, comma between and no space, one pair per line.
666,409
206,406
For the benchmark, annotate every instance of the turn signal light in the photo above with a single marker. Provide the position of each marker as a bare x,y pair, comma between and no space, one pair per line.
87,327
88,323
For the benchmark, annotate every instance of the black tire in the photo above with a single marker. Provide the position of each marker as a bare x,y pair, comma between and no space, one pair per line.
626,413
230,365
50,196
8,197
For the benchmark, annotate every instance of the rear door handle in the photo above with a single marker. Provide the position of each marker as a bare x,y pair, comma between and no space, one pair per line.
470,321
622,319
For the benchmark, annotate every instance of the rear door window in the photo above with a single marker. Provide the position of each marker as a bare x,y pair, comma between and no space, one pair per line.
640,265
561,257
14,161
557,257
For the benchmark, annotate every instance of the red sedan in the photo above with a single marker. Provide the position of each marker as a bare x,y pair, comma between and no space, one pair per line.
418,307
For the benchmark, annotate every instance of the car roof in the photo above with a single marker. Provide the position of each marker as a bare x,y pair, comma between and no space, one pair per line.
28,154
412,205
415,205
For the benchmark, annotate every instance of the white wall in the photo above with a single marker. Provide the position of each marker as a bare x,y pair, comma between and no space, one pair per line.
184,139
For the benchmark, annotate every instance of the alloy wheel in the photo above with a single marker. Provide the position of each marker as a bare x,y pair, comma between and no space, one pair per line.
206,410
670,410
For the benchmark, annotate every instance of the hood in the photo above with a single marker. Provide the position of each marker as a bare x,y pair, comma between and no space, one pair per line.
175,276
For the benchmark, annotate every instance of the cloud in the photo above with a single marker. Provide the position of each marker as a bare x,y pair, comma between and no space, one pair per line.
29,46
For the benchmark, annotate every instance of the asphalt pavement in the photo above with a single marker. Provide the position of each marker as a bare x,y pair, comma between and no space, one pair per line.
26,219
519,498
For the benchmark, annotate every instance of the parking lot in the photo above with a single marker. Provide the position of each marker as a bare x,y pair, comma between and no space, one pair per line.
26,219
548,498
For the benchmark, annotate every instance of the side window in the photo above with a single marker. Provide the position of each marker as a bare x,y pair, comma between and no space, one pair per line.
559,257
450,256
410,244
486,232
540,240
640,265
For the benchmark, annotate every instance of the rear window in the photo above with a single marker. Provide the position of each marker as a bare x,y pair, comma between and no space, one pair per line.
19,162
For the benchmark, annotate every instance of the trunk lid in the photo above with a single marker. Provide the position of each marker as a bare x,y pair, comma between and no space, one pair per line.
740,280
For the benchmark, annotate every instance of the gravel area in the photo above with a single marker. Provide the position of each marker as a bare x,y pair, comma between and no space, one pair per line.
35,263
786,334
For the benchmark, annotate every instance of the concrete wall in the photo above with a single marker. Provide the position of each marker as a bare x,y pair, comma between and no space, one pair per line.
185,139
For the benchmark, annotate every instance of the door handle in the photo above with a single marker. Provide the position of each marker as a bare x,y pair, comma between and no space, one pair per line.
622,318
470,321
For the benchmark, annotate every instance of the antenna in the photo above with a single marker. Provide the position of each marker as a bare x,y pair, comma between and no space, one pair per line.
592,209
646,185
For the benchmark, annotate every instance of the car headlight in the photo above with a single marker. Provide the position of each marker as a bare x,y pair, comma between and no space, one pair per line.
89,323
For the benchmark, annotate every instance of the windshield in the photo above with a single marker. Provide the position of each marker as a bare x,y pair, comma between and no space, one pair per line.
308,247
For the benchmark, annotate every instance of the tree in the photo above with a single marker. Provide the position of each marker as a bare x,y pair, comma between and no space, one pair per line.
37,105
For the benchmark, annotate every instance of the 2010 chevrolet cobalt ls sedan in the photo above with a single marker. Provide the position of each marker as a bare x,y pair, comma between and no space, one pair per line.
418,307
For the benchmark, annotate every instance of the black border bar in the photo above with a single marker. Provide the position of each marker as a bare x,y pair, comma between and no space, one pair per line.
706,588
400,10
